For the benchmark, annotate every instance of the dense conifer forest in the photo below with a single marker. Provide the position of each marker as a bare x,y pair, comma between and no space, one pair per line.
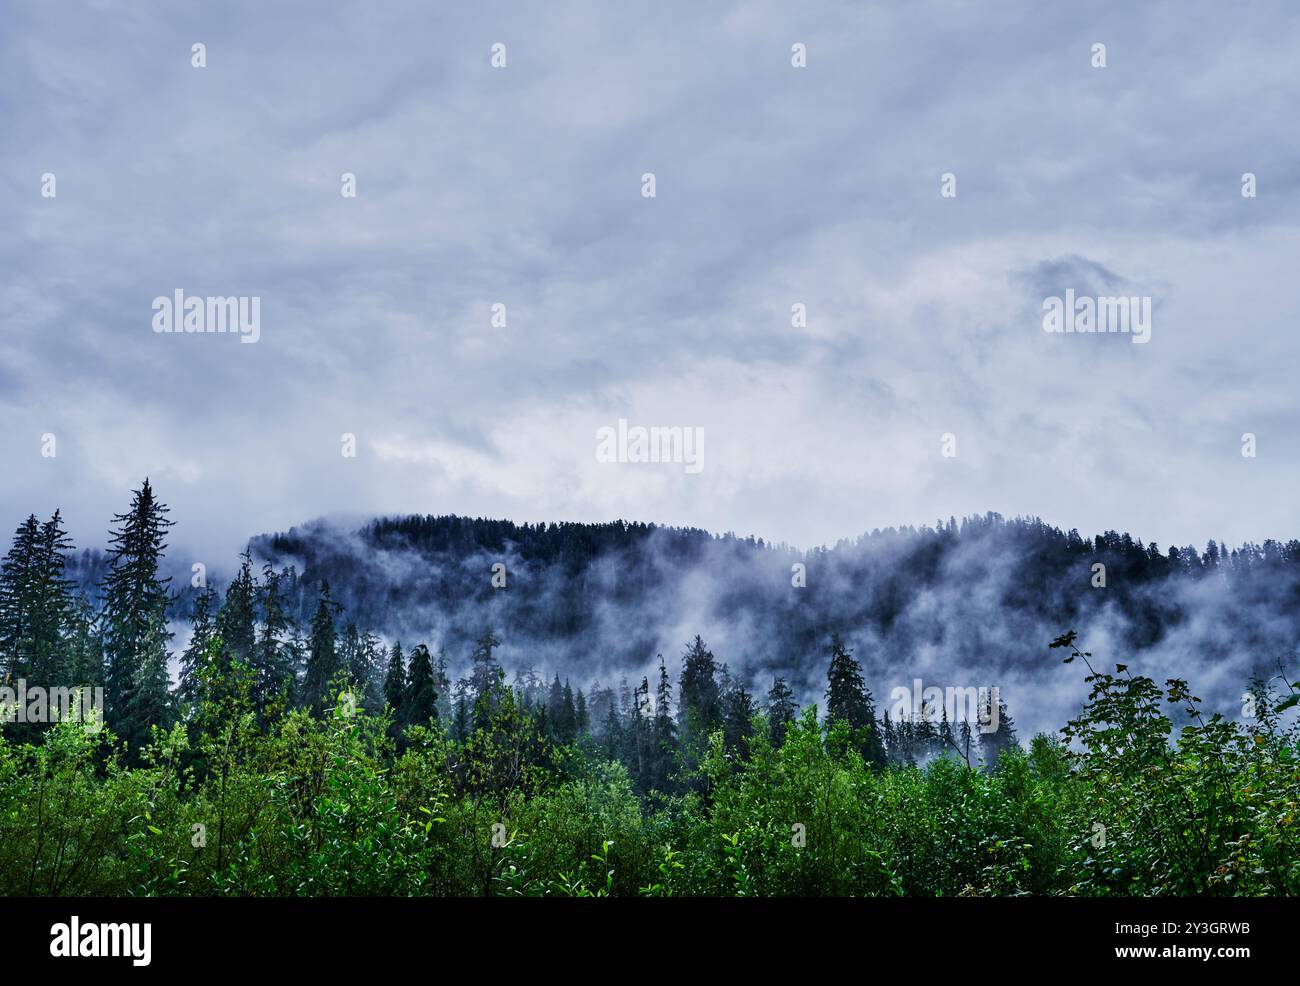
295,741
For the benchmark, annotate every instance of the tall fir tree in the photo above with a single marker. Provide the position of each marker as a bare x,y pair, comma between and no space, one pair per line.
52,612
996,737
737,723
36,605
135,612
665,731
849,701
442,684
485,679
781,710
322,656
17,577
195,655
395,680
237,619
273,658
699,708
86,651
148,701
420,703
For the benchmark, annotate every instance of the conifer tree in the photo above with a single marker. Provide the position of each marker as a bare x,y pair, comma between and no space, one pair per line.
273,657
36,605
485,679
86,652
237,618
202,630
612,740
699,709
395,681
555,709
460,726
442,685
371,669
994,744
17,576
148,700
781,710
52,608
568,730
581,717
351,657
322,656
737,725
484,671
665,732
849,701
134,614
421,701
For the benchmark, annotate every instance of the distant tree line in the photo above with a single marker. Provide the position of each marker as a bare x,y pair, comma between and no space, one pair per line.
51,635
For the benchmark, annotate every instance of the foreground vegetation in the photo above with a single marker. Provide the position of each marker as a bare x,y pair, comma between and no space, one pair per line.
320,763
225,804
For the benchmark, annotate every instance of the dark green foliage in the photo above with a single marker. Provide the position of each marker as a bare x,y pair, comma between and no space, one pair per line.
193,659
134,617
529,790
849,702
326,805
782,709
322,657
420,703
395,682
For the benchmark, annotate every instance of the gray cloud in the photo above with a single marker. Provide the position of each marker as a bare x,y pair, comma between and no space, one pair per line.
775,186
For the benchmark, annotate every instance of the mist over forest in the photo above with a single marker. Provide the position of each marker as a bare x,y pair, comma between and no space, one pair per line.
970,603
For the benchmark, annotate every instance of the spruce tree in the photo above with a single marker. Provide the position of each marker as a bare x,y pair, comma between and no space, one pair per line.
460,726
442,685
849,701
17,577
581,717
421,701
485,679
665,732
134,614
555,709
370,671
781,710
699,709
36,605
737,723
484,670
995,743
395,681
193,658
237,619
273,657
568,728
86,651
148,701
53,607
322,656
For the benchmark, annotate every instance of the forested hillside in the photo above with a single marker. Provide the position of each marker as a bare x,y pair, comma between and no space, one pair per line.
300,751
960,602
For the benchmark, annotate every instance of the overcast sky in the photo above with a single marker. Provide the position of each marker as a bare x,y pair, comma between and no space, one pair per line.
775,186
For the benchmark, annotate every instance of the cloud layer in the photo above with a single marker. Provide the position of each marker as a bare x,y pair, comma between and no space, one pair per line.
775,186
